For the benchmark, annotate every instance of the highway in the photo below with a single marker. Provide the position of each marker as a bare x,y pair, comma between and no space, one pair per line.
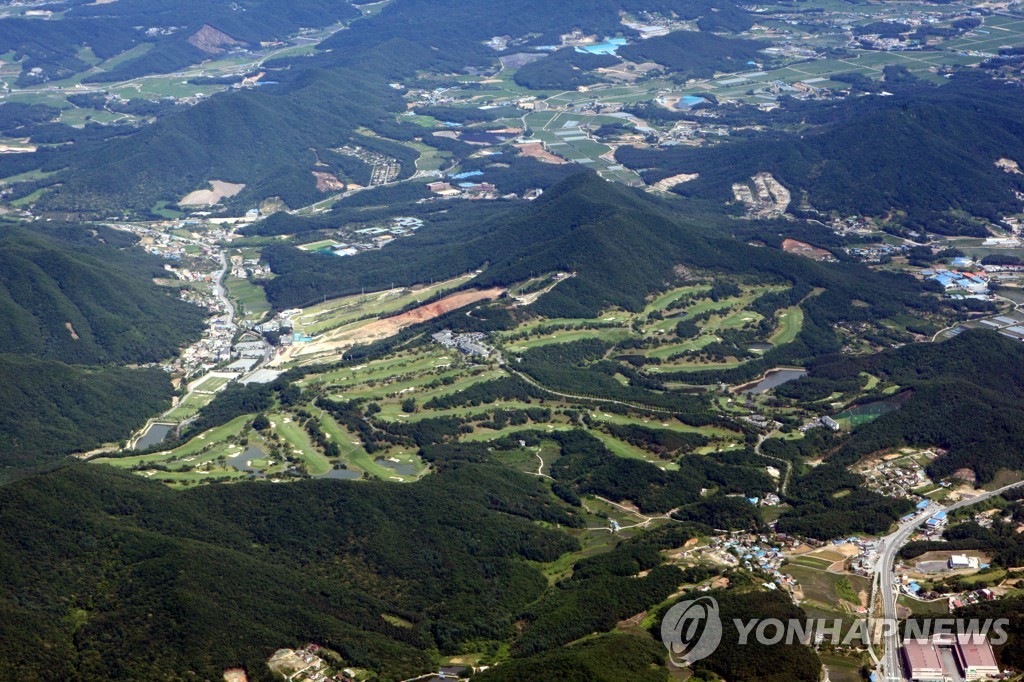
885,577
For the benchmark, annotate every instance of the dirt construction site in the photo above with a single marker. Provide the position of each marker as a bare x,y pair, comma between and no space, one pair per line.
338,340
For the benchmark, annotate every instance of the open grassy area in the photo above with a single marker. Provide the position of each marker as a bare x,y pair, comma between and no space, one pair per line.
212,384
339,311
249,298
831,590
842,668
791,321
811,562
214,437
357,459
565,336
189,406
300,445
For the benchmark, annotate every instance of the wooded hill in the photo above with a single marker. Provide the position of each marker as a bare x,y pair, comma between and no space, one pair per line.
106,576
924,150
51,49
965,397
49,409
85,295
622,244
78,305
693,54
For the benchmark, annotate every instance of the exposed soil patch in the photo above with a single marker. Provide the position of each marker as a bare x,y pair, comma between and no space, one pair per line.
208,197
804,249
382,329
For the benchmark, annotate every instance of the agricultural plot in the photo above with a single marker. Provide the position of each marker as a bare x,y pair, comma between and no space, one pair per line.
249,298
830,590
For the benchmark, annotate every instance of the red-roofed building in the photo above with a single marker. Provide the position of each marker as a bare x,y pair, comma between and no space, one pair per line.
975,656
922,661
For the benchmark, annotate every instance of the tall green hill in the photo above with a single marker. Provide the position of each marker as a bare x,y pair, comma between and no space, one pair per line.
106,576
79,306
67,297
923,150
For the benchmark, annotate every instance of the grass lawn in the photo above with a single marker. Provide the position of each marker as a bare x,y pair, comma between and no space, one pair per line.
791,321
213,384
353,453
567,335
298,439
189,406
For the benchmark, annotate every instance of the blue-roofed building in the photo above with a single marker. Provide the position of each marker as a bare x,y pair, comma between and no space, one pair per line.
962,262
923,503
467,174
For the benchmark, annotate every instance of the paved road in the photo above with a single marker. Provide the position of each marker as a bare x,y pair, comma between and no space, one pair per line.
885,576
220,289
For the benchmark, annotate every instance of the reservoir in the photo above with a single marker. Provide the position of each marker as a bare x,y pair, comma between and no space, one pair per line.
397,467
153,435
772,378
687,101
343,474
242,459
608,47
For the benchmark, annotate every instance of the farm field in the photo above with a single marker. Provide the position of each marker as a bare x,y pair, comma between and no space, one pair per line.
250,300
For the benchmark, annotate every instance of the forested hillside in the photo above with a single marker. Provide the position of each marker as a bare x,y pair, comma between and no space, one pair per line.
923,150
622,245
965,397
80,297
78,305
106,576
51,49
692,54
49,409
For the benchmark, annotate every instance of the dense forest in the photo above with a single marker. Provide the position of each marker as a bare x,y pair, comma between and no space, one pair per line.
79,304
106,576
565,69
965,396
86,296
692,54
49,409
753,660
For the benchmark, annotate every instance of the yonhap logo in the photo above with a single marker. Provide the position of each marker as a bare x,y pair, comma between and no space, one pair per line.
691,630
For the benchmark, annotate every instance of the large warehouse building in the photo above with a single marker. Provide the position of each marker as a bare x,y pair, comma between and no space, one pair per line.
934,659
